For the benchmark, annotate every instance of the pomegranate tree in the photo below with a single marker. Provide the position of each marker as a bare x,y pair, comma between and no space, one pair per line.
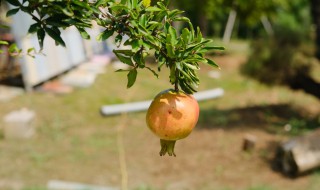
146,29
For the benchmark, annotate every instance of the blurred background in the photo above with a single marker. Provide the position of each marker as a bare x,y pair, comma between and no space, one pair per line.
52,132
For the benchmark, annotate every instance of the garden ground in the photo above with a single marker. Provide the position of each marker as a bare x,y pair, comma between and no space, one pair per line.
75,143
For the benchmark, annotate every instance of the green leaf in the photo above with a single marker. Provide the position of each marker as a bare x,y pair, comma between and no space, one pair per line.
186,87
153,25
67,11
138,58
160,16
4,26
118,7
123,58
173,34
154,43
81,4
126,52
34,28
56,21
199,35
191,66
118,40
174,13
183,19
132,76
105,35
14,2
143,20
196,59
30,50
153,9
13,48
212,63
41,34
160,64
161,5
185,35
55,35
136,44
3,42
134,4
181,70
191,31
84,33
170,50
143,30
12,12
56,29
101,2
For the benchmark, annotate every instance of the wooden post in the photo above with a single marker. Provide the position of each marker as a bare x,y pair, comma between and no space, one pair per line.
249,143
267,25
299,155
229,26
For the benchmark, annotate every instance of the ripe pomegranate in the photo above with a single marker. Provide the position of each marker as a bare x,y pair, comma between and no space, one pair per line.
172,116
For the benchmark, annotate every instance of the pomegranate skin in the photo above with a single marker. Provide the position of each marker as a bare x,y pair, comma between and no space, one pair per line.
172,115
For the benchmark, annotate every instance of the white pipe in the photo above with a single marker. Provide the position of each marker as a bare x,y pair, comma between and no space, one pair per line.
144,105
65,185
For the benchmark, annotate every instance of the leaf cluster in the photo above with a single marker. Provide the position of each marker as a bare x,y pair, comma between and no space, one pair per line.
148,31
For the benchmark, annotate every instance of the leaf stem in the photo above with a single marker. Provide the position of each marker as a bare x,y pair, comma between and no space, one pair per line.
176,84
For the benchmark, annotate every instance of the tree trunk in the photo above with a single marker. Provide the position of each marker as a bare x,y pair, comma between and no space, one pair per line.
203,23
315,14
299,155
305,83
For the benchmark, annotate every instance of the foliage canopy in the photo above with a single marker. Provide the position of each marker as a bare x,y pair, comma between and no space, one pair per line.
149,29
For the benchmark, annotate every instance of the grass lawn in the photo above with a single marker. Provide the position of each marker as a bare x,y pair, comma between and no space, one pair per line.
75,143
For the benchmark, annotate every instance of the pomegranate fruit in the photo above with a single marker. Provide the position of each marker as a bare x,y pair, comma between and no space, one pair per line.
172,116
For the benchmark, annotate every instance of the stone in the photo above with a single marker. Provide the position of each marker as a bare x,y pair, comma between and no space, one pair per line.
7,93
19,124
79,79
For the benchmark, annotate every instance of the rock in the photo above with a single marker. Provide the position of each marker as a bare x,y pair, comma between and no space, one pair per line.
299,155
79,78
7,93
19,124
214,74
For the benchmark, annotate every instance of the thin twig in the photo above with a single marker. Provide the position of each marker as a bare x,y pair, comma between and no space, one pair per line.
106,13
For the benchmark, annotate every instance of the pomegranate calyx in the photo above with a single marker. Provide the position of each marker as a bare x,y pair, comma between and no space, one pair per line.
167,146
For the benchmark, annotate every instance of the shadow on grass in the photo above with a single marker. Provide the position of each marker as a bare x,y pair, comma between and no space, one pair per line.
272,118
